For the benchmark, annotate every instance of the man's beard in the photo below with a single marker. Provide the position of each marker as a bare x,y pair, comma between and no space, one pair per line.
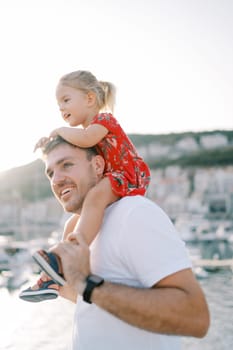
76,204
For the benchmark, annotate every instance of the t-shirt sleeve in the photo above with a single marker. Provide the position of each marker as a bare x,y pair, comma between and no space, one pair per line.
151,246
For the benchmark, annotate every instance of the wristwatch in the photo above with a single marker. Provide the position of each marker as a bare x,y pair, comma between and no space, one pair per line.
93,281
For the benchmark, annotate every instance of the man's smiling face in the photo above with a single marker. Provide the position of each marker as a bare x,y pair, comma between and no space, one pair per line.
71,175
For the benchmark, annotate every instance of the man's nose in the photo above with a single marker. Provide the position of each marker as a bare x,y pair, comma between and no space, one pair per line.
57,178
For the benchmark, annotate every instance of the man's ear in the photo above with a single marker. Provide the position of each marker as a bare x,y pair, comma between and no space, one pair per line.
99,165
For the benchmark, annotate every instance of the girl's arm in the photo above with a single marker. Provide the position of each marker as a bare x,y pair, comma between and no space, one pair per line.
82,137
70,226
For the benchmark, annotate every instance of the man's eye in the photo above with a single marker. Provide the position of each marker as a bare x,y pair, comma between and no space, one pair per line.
67,165
50,175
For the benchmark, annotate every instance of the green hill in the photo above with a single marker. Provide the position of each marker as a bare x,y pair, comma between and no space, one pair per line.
29,183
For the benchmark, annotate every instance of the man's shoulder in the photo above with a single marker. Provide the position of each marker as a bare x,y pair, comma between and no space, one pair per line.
131,203
139,207
137,200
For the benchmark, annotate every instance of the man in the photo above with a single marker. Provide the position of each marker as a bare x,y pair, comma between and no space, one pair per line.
135,286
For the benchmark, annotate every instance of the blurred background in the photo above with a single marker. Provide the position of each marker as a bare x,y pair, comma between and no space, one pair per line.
171,62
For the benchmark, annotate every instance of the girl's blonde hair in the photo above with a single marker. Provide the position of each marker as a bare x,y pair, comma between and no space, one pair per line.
83,80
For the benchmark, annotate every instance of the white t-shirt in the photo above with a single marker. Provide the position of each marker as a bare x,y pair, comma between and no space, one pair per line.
137,246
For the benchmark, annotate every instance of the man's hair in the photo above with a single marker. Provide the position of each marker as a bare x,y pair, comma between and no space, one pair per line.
58,140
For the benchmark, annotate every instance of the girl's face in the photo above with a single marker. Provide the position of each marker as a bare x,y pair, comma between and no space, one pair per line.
73,104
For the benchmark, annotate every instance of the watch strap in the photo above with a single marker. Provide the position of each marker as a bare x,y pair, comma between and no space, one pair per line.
92,281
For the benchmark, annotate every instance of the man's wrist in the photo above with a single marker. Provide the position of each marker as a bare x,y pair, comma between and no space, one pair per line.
92,282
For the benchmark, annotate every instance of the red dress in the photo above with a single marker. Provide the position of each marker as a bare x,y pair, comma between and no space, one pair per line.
128,173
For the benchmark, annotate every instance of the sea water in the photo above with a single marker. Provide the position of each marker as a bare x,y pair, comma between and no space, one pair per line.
48,325
30,326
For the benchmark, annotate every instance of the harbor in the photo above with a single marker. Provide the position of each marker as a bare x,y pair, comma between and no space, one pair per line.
211,250
199,202
48,324
16,263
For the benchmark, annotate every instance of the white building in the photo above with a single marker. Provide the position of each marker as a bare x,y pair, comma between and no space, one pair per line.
213,141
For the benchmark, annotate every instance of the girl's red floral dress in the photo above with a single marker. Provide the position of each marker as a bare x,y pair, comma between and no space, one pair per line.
128,173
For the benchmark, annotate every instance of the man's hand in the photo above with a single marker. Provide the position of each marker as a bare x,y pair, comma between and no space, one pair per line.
75,258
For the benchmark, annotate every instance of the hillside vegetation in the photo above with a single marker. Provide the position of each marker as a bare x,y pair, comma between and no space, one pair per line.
29,183
171,139
204,158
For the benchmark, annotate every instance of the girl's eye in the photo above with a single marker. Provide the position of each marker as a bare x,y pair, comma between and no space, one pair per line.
66,100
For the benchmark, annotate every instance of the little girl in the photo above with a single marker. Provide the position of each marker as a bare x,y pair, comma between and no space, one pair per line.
85,101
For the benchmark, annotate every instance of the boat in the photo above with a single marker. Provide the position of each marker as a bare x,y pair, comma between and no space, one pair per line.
3,280
200,272
4,260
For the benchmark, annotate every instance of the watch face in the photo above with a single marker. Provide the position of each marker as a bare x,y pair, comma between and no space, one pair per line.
95,279
92,282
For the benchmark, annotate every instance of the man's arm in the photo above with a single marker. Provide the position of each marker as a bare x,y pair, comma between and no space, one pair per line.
175,305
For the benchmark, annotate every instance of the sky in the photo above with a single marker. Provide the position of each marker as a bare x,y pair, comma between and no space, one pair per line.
170,60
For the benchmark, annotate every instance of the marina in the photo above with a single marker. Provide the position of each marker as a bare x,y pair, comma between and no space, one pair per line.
210,251
16,263
39,325
48,324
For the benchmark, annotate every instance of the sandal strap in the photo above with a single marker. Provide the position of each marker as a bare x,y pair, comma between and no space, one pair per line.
53,261
40,282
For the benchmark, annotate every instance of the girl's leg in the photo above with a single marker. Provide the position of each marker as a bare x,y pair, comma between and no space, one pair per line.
97,199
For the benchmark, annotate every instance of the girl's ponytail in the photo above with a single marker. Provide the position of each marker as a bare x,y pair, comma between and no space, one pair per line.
109,95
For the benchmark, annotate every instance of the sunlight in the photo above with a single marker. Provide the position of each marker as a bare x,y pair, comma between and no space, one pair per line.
168,79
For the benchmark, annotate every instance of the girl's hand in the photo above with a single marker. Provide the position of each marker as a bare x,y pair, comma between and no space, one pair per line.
41,143
54,133
62,131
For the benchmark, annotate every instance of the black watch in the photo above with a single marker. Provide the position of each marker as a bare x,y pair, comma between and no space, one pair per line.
93,281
